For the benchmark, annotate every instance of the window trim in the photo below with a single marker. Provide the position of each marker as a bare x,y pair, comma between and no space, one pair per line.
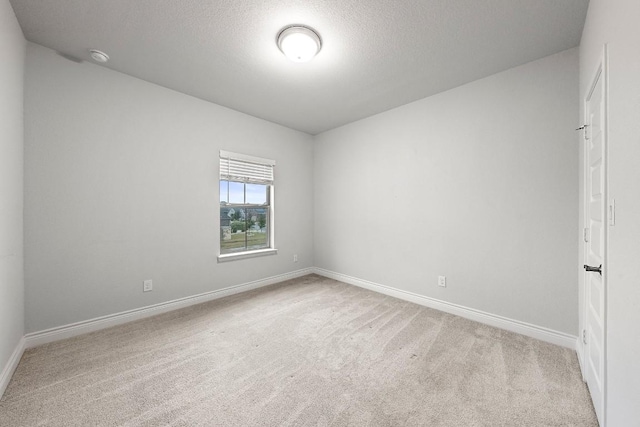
247,254
271,250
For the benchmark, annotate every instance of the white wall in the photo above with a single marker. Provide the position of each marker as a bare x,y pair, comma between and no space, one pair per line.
12,51
615,22
121,185
479,183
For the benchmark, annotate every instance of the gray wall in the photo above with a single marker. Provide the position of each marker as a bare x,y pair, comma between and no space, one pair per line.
121,185
12,50
615,22
479,184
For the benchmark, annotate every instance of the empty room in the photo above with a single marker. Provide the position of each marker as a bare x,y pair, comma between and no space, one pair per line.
335,213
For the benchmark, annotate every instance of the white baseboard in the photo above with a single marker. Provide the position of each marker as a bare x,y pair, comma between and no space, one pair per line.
67,331
12,364
35,339
523,328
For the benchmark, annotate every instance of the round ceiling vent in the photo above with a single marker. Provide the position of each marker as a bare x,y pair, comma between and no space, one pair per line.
98,56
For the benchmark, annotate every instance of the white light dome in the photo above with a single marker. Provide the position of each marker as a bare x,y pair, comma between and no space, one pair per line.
299,43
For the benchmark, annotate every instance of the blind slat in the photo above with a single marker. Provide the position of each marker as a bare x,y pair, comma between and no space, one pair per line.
239,169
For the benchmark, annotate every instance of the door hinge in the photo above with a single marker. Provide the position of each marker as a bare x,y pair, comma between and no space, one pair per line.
584,128
584,336
585,235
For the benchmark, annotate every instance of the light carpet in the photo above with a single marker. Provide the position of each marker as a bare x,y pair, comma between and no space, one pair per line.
306,352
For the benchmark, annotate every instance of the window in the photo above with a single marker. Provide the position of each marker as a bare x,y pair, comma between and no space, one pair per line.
246,206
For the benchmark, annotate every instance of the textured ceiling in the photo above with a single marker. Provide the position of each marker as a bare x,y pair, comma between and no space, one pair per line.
376,55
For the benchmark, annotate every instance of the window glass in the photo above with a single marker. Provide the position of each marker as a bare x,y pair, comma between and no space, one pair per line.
257,236
224,192
236,192
256,194
243,225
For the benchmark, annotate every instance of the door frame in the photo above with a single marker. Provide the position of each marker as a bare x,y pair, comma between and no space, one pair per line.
601,72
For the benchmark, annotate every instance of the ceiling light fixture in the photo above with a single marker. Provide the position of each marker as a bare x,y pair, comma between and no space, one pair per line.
98,56
299,43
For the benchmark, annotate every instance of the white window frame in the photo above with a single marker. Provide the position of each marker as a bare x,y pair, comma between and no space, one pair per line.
238,167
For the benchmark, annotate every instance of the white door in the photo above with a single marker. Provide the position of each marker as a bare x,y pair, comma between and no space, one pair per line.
595,246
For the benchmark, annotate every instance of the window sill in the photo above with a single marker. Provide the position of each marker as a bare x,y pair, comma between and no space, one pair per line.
249,254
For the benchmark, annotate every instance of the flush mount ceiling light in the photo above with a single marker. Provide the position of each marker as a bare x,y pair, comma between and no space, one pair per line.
299,43
98,56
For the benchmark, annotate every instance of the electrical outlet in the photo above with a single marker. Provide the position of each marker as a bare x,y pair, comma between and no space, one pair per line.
147,285
295,258
442,281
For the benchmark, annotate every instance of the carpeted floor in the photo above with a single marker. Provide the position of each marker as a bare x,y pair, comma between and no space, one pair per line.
310,351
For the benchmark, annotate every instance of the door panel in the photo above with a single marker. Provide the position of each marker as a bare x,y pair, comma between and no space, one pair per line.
595,248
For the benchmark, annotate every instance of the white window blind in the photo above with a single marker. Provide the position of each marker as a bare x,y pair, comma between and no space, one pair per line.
240,167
